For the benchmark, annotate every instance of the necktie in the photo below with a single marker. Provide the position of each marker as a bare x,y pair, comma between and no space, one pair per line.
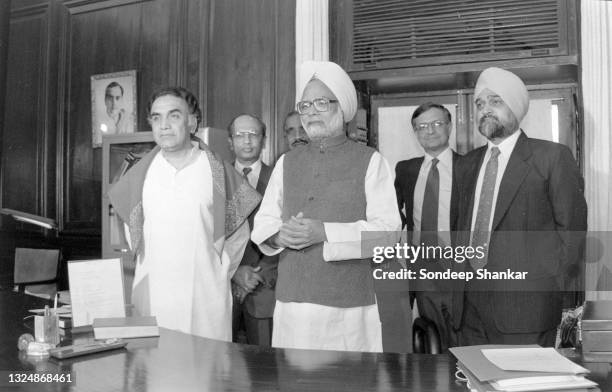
481,235
429,214
246,171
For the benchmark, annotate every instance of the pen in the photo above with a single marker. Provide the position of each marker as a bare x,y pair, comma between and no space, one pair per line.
55,303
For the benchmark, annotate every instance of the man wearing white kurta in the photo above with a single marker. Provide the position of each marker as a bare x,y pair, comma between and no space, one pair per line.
186,210
319,200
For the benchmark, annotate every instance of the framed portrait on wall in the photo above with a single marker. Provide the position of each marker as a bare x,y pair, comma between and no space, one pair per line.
113,105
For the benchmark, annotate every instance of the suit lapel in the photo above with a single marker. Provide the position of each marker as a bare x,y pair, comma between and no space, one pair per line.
264,177
454,202
413,174
515,174
470,187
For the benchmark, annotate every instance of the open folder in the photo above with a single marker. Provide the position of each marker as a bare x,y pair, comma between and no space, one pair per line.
487,368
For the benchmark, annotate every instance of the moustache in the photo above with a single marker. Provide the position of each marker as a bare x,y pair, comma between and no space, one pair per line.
299,142
489,117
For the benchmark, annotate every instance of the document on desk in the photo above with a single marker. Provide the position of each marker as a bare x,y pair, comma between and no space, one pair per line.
534,359
96,290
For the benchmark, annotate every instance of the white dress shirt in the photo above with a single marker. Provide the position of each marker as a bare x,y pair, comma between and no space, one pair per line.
182,278
312,326
505,150
253,176
343,239
445,169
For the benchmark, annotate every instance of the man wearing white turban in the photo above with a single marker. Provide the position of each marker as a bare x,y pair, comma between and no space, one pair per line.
522,200
319,200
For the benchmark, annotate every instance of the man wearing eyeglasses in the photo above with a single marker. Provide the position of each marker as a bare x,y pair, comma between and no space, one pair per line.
319,200
427,200
187,214
255,278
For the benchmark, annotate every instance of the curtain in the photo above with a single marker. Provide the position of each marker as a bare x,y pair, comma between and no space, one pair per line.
311,32
596,36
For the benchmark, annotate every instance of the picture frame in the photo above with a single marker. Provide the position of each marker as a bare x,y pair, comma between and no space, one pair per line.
113,105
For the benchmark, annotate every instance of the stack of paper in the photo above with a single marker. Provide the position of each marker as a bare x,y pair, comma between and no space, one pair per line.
519,369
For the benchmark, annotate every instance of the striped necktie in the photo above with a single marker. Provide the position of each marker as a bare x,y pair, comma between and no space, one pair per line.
429,214
246,171
481,234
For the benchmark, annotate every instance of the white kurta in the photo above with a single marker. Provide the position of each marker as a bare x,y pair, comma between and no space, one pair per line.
313,326
186,279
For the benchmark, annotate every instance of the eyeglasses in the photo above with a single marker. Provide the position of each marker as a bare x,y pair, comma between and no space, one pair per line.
246,133
437,125
320,105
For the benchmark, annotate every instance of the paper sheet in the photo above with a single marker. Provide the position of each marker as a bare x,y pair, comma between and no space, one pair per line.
96,290
535,359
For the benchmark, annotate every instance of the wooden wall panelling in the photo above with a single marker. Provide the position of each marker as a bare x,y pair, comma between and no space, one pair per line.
161,53
250,63
285,65
196,50
7,236
103,37
23,142
5,13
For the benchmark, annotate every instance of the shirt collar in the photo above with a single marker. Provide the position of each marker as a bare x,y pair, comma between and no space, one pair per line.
445,157
507,145
254,167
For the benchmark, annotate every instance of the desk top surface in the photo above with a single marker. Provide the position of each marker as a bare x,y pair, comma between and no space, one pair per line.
177,361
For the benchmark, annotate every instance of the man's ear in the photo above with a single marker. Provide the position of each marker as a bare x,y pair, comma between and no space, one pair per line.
192,123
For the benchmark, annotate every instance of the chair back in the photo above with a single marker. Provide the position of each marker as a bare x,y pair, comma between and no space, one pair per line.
36,269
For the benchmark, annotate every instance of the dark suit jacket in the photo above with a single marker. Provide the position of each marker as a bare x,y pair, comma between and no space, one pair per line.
406,175
539,225
261,302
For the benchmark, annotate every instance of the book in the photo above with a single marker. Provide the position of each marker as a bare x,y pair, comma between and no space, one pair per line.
65,323
125,327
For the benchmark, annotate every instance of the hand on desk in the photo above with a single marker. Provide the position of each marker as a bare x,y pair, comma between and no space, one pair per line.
299,233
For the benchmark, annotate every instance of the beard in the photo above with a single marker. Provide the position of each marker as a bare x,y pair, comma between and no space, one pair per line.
491,128
320,129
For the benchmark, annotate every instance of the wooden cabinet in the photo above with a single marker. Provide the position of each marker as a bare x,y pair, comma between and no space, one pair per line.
119,154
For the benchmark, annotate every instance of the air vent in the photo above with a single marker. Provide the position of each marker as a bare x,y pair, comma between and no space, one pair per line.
418,30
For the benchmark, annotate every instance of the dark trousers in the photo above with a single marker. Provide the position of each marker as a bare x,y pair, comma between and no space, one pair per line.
258,330
478,326
396,321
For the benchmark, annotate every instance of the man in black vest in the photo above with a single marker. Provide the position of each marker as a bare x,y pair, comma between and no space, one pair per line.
320,200
427,198
255,278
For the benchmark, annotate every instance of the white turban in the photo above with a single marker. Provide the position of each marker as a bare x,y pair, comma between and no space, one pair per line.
508,86
334,77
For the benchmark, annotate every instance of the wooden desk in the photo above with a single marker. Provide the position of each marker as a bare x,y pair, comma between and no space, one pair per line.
180,362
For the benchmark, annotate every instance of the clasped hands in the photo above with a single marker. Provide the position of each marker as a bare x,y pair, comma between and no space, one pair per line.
246,279
299,233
